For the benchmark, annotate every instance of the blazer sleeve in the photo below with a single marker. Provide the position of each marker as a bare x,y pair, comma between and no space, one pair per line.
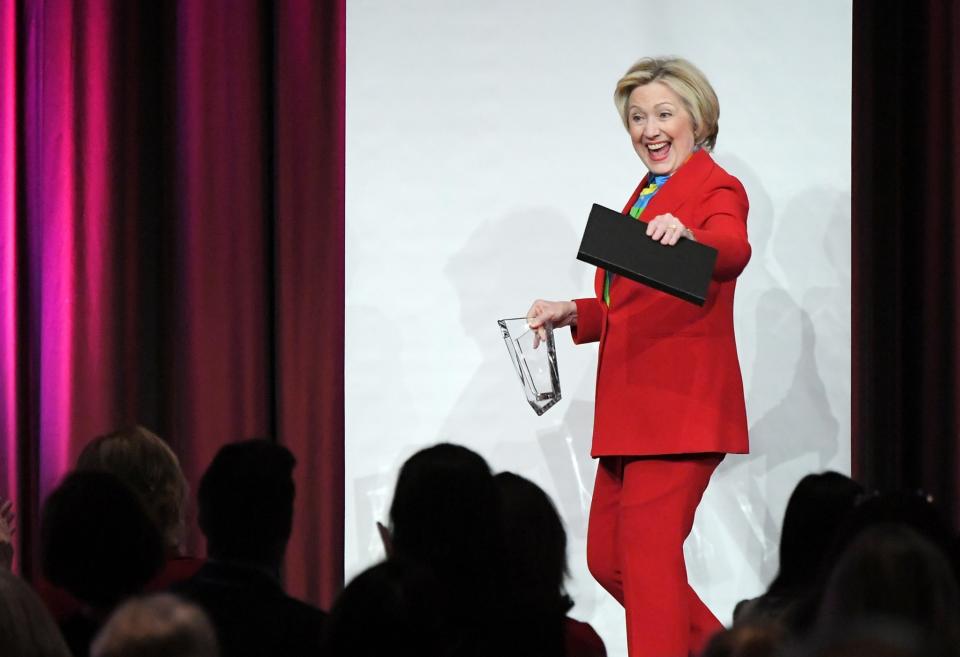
725,229
589,321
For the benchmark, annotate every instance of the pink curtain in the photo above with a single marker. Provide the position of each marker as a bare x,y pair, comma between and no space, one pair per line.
310,282
171,217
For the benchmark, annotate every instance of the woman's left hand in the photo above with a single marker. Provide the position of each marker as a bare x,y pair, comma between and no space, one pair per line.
667,229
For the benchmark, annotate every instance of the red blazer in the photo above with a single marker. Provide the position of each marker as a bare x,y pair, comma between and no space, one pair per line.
668,378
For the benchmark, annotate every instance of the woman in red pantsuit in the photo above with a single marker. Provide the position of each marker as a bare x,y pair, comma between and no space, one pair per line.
669,397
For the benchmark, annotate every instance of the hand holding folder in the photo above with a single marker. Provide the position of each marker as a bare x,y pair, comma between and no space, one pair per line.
619,243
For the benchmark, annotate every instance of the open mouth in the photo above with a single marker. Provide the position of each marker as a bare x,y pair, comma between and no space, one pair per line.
659,150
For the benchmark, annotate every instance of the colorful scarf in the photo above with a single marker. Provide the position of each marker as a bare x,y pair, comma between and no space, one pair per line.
656,182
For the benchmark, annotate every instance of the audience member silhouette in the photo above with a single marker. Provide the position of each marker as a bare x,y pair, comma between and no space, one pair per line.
872,637
536,567
26,627
815,512
159,625
446,516
476,567
892,571
914,509
394,608
911,509
761,638
246,513
99,544
145,463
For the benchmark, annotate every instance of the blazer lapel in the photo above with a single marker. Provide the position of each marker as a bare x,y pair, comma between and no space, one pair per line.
679,187
669,198
635,195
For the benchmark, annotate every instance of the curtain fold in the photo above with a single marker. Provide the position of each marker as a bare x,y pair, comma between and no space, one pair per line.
171,244
12,367
906,241
221,377
309,282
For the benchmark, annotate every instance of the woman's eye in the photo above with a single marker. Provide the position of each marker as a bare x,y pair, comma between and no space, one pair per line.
636,118
664,115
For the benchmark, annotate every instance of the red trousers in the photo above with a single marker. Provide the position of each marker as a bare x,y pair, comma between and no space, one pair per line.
641,513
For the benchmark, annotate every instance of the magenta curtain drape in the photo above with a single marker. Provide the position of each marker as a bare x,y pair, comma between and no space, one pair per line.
171,243
309,280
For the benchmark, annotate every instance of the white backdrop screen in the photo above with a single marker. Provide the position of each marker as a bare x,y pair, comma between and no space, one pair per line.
478,136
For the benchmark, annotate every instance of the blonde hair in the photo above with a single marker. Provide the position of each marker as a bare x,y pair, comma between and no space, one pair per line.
145,463
685,80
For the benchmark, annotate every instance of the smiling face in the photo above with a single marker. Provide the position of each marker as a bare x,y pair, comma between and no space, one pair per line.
660,127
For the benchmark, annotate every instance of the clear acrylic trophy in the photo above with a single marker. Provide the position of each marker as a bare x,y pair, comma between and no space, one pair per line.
536,366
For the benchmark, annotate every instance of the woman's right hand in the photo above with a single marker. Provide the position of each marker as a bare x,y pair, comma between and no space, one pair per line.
558,313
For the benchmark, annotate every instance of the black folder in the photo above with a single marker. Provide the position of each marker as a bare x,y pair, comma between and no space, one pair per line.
619,243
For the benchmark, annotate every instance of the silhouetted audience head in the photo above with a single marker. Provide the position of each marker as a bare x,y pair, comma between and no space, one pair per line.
26,627
393,608
535,537
97,541
892,571
144,462
446,512
535,565
816,509
246,502
913,509
872,637
161,625
446,516
754,639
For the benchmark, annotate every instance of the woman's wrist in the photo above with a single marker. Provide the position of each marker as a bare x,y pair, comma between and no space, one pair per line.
572,313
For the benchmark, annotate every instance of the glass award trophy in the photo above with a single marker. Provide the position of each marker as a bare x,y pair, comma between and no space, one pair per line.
535,365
